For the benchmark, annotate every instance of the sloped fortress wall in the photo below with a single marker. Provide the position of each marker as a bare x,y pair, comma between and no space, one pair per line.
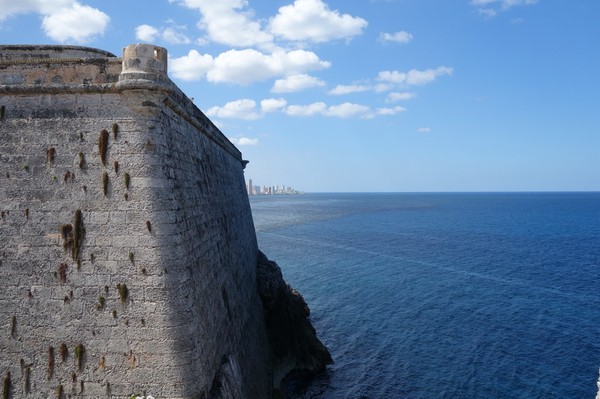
127,251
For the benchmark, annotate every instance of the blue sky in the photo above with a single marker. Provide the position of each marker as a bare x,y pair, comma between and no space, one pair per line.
370,95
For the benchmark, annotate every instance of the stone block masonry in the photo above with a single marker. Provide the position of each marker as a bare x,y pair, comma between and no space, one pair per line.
127,254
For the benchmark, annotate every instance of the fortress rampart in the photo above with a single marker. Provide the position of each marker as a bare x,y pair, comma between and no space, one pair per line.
128,254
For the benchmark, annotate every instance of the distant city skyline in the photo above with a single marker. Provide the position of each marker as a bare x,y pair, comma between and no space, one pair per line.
378,95
253,189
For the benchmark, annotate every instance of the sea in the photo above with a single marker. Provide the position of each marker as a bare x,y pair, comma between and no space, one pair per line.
444,295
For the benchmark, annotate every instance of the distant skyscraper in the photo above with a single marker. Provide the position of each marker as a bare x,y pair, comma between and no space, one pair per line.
250,187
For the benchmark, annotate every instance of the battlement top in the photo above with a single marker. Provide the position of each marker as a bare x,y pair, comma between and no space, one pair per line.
25,52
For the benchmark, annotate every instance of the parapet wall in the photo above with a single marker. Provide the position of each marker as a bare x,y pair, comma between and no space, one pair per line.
127,251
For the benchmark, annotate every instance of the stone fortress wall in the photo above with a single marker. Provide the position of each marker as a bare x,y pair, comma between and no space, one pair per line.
127,251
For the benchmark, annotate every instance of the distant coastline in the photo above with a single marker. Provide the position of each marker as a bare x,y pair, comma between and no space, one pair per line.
270,190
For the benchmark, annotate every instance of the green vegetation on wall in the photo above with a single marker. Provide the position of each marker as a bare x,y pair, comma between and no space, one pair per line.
7,386
79,352
105,183
78,234
103,145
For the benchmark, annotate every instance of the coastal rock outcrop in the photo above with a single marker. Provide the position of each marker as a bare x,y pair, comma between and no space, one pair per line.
293,339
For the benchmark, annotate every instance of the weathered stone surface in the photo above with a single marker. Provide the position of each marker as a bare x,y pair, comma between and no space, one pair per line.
155,291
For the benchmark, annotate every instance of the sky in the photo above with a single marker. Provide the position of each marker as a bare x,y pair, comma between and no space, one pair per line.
370,95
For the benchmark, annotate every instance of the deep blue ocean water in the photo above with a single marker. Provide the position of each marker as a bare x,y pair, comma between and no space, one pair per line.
445,295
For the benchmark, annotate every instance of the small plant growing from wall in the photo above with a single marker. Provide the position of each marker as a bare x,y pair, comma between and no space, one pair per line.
13,327
78,234
149,226
66,231
79,352
26,213
115,130
64,352
131,257
60,391
105,183
103,145
114,314
27,378
127,180
116,165
50,362
50,154
81,160
101,303
62,273
69,177
2,110
123,292
7,386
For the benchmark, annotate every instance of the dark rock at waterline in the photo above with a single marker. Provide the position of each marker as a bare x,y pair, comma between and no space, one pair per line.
293,339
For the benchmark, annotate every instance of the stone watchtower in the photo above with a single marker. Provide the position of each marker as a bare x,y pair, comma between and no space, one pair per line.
143,61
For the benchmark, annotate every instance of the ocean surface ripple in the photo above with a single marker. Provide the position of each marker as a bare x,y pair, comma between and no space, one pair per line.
444,295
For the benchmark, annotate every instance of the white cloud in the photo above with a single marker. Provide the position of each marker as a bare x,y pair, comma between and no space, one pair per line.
44,7
193,66
347,110
348,89
381,87
306,110
295,83
414,76
247,109
63,20
146,33
390,111
490,8
392,77
401,37
393,97
229,22
344,110
424,130
273,104
240,109
249,65
79,23
487,12
241,141
171,35
506,4
313,21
